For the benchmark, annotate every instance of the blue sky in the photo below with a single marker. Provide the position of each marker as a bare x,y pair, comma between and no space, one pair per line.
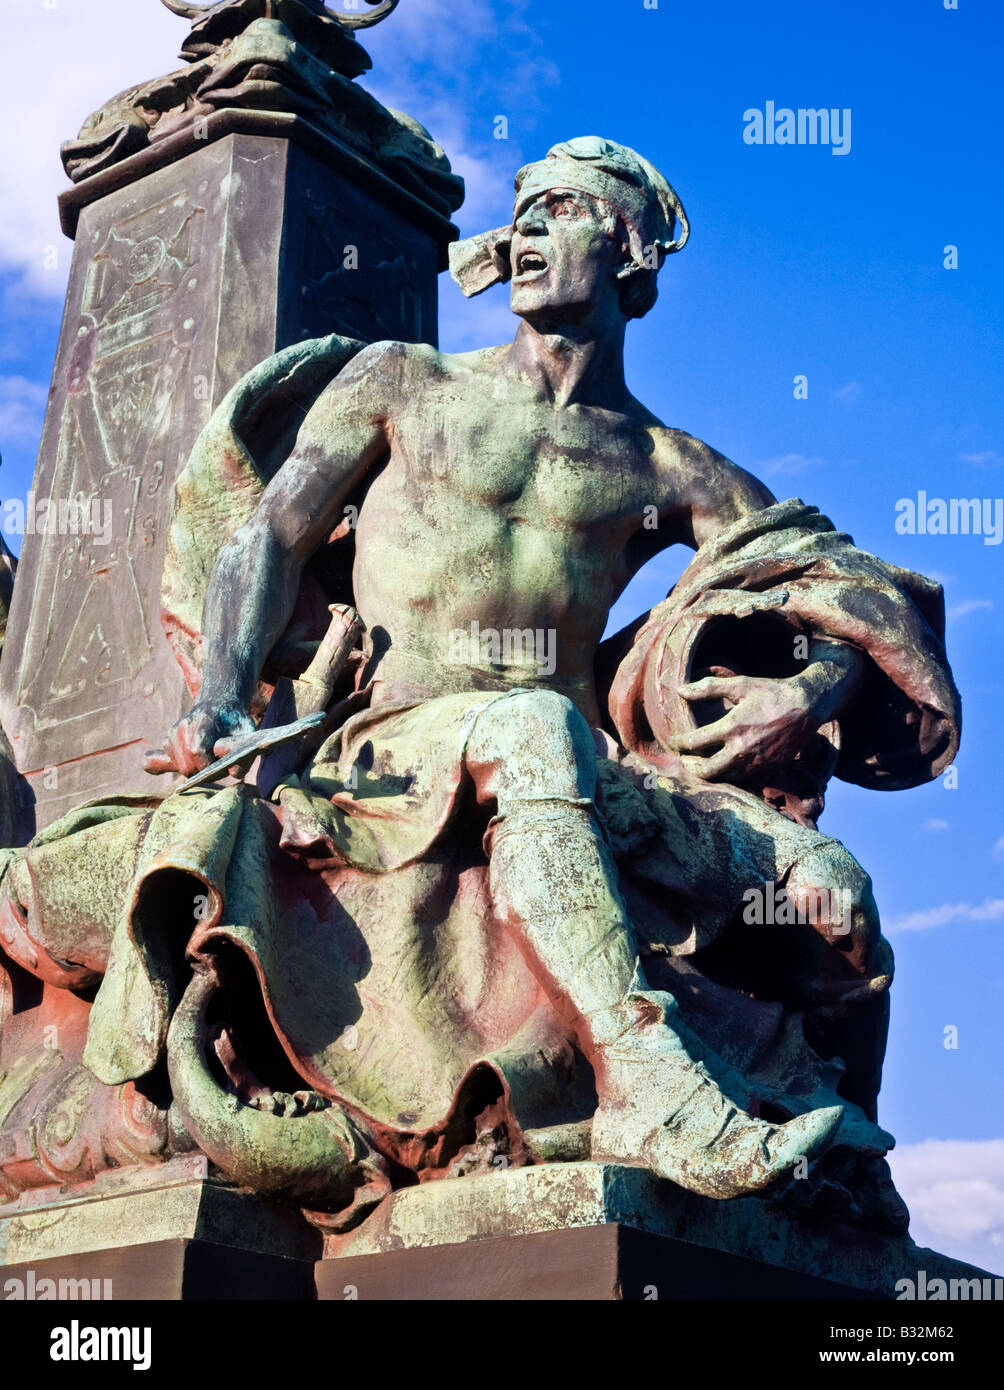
801,261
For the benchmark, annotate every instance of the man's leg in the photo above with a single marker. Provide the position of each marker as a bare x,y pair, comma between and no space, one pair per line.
554,884
825,956
846,993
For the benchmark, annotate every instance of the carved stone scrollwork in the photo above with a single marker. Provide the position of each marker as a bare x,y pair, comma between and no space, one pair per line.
60,1126
289,57
326,33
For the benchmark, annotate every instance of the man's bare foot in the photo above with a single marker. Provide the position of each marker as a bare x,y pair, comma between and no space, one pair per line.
662,1110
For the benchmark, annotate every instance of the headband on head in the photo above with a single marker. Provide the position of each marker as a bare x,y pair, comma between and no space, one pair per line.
646,203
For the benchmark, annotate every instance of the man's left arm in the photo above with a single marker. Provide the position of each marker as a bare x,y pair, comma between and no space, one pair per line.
766,720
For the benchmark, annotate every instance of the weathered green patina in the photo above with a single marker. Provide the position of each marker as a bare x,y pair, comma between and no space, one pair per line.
496,910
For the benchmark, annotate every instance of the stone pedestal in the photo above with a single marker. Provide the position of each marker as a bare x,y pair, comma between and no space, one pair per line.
169,1233
594,1230
194,260
586,1264
561,1231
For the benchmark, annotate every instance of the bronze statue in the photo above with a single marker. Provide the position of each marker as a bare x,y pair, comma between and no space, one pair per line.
502,900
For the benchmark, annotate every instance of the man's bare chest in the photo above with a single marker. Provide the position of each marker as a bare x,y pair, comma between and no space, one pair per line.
528,463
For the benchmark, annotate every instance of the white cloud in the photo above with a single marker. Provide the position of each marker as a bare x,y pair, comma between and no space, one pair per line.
789,463
417,58
955,1191
22,406
971,605
64,62
988,458
934,824
998,850
992,910
847,395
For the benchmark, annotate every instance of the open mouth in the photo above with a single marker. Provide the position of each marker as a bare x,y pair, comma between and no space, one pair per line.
529,263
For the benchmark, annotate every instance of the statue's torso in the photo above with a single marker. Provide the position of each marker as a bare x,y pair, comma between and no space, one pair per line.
500,509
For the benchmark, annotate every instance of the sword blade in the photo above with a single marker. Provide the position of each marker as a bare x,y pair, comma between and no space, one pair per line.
251,747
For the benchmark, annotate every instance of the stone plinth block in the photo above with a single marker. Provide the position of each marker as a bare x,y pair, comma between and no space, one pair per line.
563,1231
597,1231
171,1233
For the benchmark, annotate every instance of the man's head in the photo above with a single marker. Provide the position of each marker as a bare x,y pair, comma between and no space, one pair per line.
590,217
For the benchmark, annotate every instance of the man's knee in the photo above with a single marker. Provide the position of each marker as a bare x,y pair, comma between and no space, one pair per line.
540,721
835,893
533,744
831,891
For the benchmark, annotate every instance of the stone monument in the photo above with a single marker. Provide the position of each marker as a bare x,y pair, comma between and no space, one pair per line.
455,950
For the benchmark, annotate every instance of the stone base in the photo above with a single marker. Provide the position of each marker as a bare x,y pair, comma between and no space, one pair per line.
168,1233
166,1271
561,1231
750,1248
588,1264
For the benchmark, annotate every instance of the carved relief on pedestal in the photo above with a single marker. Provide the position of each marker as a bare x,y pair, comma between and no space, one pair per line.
381,300
62,1127
138,317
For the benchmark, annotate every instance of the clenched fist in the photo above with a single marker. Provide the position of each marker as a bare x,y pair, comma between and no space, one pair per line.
206,732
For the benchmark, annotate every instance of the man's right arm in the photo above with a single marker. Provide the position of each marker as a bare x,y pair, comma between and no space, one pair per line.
256,578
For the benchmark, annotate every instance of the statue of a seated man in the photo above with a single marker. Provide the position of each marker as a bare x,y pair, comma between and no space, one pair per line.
576,840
